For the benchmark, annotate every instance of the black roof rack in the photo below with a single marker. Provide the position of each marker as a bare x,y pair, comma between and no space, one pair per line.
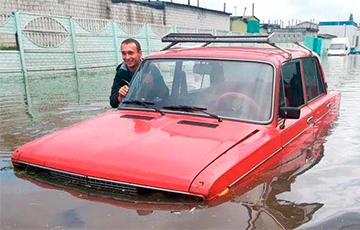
207,38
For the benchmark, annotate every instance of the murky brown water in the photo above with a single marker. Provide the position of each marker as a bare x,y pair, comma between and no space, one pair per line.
322,192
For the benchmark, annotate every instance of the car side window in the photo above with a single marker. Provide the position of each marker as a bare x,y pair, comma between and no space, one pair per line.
291,75
313,81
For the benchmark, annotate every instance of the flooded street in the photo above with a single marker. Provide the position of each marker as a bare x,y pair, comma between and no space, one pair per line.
322,192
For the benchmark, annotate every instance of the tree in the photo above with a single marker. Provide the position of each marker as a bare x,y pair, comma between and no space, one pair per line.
351,17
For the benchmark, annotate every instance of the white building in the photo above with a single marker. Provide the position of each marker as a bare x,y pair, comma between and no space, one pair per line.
347,29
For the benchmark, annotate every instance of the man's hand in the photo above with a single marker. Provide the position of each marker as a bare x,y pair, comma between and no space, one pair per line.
122,92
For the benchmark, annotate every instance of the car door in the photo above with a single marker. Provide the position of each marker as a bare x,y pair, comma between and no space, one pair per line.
296,134
316,98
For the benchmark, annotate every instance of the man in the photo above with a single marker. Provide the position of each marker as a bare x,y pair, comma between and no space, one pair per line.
131,54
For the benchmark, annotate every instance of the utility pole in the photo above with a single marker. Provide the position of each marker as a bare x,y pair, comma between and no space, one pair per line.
235,7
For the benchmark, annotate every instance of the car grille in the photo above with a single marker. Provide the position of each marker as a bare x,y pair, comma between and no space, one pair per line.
97,186
92,183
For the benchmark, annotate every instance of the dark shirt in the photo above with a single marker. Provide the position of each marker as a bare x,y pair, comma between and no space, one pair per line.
123,75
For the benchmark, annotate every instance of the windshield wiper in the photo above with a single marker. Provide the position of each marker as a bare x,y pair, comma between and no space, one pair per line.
145,104
191,109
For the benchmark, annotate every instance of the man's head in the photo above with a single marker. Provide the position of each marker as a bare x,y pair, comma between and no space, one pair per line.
131,53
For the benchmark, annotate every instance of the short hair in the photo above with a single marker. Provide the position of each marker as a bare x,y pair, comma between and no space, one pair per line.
131,40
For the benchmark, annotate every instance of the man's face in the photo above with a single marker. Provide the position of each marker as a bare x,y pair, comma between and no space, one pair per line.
131,55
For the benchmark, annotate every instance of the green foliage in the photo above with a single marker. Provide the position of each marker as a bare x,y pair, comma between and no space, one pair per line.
7,48
351,17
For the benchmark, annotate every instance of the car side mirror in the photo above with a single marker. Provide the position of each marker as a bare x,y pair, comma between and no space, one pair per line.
289,113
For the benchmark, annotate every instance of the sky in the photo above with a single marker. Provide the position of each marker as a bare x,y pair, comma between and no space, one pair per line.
286,10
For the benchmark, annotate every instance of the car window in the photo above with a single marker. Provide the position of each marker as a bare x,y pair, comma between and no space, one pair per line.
232,89
291,75
313,81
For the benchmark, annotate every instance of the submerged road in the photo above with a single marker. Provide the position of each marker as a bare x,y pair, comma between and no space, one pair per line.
323,195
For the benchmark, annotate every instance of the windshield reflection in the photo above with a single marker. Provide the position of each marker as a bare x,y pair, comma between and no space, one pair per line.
230,89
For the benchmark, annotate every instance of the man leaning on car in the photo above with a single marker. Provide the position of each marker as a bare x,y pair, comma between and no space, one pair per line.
131,54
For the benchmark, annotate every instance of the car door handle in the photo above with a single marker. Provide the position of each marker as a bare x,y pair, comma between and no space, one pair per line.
328,105
309,120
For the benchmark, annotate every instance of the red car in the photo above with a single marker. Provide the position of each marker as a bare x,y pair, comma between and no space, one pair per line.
196,121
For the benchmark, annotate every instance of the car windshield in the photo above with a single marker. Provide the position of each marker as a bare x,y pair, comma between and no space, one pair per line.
337,46
239,90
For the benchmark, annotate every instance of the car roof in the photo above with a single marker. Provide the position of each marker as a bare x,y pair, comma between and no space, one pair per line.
263,54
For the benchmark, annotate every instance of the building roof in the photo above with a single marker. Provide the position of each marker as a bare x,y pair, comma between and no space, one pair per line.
296,30
326,36
161,5
270,26
338,23
232,18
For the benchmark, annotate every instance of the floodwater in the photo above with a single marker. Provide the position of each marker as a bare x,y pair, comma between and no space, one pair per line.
322,192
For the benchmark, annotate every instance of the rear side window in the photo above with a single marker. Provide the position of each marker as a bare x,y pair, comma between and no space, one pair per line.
291,75
313,81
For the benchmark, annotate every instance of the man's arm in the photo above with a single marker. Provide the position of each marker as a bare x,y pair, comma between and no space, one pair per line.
117,84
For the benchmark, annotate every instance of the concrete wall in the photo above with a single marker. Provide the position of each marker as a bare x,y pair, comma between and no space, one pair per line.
137,13
97,9
166,13
185,16
76,8
239,26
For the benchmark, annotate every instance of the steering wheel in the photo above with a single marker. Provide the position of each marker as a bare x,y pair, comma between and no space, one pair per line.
234,102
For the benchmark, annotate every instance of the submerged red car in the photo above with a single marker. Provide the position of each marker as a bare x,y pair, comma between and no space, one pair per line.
195,122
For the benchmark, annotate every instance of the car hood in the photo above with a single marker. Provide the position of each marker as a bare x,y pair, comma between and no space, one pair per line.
158,151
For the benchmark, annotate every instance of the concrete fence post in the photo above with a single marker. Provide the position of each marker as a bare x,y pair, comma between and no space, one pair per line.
75,58
116,42
20,44
147,34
